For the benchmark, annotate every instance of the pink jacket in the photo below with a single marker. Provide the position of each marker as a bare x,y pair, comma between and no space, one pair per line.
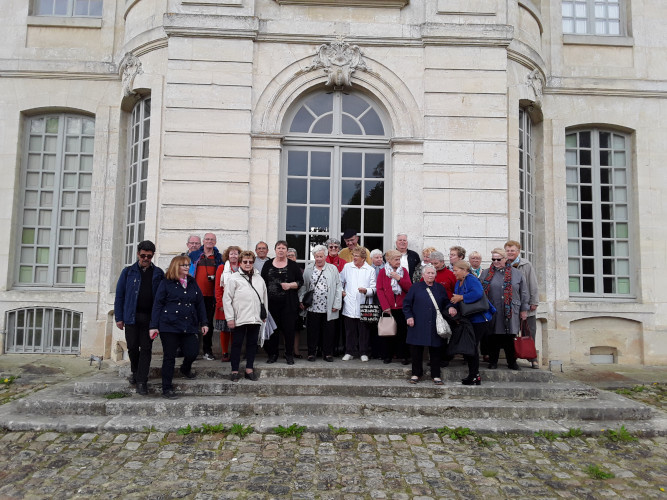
385,293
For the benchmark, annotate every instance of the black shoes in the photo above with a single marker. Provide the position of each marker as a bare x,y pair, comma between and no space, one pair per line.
251,376
272,359
386,361
328,359
514,366
493,366
406,361
132,379
191,374
169,394
311,357
472,380
235,377
290,359
142,389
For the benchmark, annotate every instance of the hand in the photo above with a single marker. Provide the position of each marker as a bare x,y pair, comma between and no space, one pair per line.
362,290
344,293
286,286
395,275
533,307
333,309
153,333
411,322
456,299
452,311
120,324
301,306
231,324
204,330
523,315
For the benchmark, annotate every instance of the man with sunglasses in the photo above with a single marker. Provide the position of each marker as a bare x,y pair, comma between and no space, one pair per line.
135,292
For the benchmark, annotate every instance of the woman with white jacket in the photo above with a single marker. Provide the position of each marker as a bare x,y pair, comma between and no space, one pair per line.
245,293
324,281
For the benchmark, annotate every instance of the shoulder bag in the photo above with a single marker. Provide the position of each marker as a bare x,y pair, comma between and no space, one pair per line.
262,309
479,306
524,345
307,300
441,326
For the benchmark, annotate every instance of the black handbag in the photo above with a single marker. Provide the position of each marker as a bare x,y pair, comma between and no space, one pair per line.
370,312
479,306
463,339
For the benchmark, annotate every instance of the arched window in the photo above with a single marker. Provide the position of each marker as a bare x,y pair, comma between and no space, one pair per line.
335,171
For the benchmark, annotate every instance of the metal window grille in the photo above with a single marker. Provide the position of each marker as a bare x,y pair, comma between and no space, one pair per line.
43,330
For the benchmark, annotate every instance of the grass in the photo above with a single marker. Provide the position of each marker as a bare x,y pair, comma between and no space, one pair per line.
572,433
549,435
7,381
293,430
337,430
116,395
654,394
240,430
149,429
489,473
620,435
457,433
204,429
596,472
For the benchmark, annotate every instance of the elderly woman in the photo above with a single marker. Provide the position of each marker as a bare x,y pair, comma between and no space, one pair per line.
443,275
468,289
333,247
178,315
456,253
426,259
475,259
420,314
283,279
323,280
358,280
393,283
243,292
231,259
377,262
507,291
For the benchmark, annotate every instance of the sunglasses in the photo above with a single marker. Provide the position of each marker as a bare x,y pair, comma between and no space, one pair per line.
247,262
147,256
496,260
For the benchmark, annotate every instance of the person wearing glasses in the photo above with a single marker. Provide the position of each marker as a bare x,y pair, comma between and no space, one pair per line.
178,316
506,289
243,292
333,247
193,244
135,292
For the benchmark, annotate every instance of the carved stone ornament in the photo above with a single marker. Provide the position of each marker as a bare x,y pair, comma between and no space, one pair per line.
338,60
534,82
130,67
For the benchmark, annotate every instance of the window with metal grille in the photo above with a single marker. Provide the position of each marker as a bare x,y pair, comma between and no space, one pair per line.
43,330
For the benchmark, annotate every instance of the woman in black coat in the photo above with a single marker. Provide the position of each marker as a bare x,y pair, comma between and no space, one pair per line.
178,315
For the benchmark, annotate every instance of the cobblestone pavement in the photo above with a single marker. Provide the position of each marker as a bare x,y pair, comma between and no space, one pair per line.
207,466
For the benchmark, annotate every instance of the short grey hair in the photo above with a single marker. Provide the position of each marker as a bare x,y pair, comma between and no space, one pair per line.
194,236
292,250
333,241
401,234
376,252
426,266
319,248
439,256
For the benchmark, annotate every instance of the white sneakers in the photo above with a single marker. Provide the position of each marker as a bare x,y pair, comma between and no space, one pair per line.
364,358
348,357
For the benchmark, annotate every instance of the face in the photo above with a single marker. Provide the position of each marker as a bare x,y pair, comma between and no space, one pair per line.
194,243
144,257
498,260
395,261
377,260
233,256
352,242
291,256
459,273
453,257
438,264
247,263
512,253
426,258
429,275
209,241
262,250
183,270
402,243
281,251
333,249
358,259
475,261
320,259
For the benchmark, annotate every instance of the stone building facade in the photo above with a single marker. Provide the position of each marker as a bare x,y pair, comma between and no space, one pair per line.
459,122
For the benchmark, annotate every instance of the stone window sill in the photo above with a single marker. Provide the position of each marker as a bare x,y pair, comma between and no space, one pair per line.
614,41
65,22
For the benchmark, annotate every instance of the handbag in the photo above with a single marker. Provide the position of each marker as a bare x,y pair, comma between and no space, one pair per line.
463,339
386,325
479,306
370,312
441,326
307,300
524,345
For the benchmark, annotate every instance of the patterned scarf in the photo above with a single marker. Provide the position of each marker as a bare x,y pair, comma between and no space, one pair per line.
395,286
507,290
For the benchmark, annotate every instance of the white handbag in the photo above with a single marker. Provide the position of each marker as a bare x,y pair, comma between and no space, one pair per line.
386,325
441,326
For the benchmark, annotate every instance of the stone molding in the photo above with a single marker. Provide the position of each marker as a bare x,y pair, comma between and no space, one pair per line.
385,4
59,75
339,60
192,25
129,68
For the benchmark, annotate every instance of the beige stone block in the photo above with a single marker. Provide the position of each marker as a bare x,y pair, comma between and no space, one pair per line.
480,201
207,145
465,58
465,81
446,104
528,30
201,219
210,49
218,121
228,194
471,7
466,128
621,334
467,227
464,176
212,169
172,242
218,72
208,96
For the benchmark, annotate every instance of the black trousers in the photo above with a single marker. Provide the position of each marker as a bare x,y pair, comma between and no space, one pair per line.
189,344
396,346
357,337
417,352
481,331
505,342
249,333
207,340
318,326
285,319
139,346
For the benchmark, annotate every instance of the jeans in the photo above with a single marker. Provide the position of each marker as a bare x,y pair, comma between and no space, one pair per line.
189,344
249,333
139,347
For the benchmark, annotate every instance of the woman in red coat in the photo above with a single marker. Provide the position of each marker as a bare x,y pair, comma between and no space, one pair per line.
393,282
231,259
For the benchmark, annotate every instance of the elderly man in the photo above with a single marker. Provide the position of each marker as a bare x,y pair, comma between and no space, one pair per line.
133,305
204,264
194,243
409,258
513,249
262,251
351,240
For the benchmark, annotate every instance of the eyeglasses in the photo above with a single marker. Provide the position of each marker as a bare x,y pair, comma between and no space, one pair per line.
496,260
334,247
184,265
247,262
146,256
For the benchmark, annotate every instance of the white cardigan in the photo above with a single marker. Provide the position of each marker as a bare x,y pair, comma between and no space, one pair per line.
240,301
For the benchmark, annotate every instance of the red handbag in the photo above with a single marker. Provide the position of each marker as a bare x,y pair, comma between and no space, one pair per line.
524,345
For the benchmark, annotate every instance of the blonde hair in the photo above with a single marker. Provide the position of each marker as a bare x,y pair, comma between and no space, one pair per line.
512,243
172,271
462,264
499,251
428,251
360,250
390,254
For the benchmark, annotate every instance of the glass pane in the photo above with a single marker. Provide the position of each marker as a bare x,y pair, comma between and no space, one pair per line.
296,219
623,285
372,123
50,144
27,255
350,217
580,27
619,176
351,164
573,229
573,247
85,181
619,142
584,157
324,125
374,191
567,9
374,166
80,256
572,193
621,230
568,26
28,236
302,121
35,143
72,144
30,199
65,256
622,249
570,158
79,275
52,124
296,190
620,194
354,105
319,219
349,126
321,103
572,211
573,266
350,194
73,126
373,221
41,274
574,285
37,125
82,218
319,191
619,159
622,267
87,145
320,165
373,242
298,242
89,125
42,256
25,274
30,217
81,237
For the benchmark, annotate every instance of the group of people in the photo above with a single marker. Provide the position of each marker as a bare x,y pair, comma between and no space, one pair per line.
247,297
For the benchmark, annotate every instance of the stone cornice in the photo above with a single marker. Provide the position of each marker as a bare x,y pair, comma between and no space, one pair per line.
60,75
468,34
385,4
211,26
151,46
607,92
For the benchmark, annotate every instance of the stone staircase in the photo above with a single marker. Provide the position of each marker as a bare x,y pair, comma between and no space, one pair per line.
362,397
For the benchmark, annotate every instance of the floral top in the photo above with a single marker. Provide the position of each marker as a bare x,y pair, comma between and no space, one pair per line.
320,292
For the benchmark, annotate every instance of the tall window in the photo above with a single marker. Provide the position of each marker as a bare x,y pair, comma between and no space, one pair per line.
137,178
55,206
336,156
526,186
592,17
598,206
67,8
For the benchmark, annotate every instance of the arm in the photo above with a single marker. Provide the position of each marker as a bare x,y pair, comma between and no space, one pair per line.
158,304
338,299
219,288
474,290
381,283
533,292
407,307
119,302
370,291
525,298
306,283
405,282
228,301
201,308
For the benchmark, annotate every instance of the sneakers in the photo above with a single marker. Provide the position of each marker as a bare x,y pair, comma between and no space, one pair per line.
208,357
364,358
347,357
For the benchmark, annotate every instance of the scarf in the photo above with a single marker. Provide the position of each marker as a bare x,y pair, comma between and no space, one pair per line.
395,286
184,282
477,272
507,291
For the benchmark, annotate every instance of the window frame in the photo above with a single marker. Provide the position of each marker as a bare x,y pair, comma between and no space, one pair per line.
71,5
591,19
526,186
71,327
